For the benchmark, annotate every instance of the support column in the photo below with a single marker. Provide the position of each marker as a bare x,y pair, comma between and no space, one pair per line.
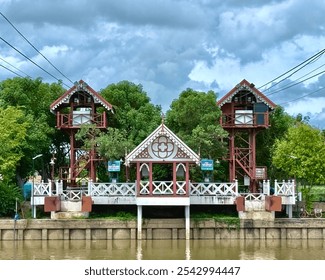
289,210
252,160
187,222
72,158
174,178
139,222
232,164
34,209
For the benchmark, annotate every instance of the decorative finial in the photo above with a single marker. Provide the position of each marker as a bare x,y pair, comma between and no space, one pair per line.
163,118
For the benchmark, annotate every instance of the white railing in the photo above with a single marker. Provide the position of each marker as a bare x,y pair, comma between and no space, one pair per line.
144,188
181,188
42,189
224,189
163,188
266,187
253,196
111,189
284,188
72,195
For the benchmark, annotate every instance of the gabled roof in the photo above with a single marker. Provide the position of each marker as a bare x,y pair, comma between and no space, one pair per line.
162,145
79,86
245,85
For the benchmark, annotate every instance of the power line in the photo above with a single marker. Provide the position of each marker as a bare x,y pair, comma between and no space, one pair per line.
35,48
15,67
12,71
291,84
301,65
303,96
33,61
307,74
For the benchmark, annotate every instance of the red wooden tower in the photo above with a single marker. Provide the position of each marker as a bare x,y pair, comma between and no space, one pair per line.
77,106
245,112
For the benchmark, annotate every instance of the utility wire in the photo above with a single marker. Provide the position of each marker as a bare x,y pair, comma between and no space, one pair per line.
15,68
35,48
11,71
306,74
33,61
301,65
303,96
291,84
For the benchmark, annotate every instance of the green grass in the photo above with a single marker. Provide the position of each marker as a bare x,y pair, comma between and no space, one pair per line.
232,220
120,216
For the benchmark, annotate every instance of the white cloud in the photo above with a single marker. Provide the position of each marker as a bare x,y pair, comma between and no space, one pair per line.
306,106
170,45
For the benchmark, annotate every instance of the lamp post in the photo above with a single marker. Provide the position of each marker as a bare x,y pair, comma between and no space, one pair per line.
32,204
52,163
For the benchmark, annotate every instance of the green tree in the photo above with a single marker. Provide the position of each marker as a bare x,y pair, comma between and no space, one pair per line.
134,115
33,98
110,144
13,127
301,154
280,122
134,118
194,117
9,193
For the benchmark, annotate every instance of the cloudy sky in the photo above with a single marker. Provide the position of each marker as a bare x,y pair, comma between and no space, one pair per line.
170,45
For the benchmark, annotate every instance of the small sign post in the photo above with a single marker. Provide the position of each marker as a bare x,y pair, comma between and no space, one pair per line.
207,165
207,168
114,166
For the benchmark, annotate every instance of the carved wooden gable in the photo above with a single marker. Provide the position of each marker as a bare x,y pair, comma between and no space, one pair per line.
246,87
64,100
162,145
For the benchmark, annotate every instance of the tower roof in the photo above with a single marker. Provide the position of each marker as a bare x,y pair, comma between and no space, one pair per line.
246,86
79,86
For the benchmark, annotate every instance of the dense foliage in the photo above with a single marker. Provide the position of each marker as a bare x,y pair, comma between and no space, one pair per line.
194,117
280,122
301,154
290,147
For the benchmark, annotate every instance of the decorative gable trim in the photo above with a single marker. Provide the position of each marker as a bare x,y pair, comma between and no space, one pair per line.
80,86
162,145
245,85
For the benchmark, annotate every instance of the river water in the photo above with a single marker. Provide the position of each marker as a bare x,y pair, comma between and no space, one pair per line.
230,249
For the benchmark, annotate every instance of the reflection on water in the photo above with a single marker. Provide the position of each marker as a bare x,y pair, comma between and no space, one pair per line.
230,249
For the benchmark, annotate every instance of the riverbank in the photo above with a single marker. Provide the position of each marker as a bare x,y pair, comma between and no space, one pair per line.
155,229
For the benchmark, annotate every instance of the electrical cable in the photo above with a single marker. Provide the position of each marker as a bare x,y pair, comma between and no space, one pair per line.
15,68
35,48
32,61
303,96
291,85
12,71
307,62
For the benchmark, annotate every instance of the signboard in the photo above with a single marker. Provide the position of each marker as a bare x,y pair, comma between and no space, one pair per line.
114,166
207,164
260,173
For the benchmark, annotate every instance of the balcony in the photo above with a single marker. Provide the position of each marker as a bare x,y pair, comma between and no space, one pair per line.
244,119
76,119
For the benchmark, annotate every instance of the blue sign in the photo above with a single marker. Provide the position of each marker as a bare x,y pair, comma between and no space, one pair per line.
114,166
207,164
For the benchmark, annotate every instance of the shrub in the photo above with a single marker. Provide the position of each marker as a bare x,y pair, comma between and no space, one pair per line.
8,196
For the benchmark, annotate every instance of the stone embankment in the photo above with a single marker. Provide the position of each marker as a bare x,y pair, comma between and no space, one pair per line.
95,229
